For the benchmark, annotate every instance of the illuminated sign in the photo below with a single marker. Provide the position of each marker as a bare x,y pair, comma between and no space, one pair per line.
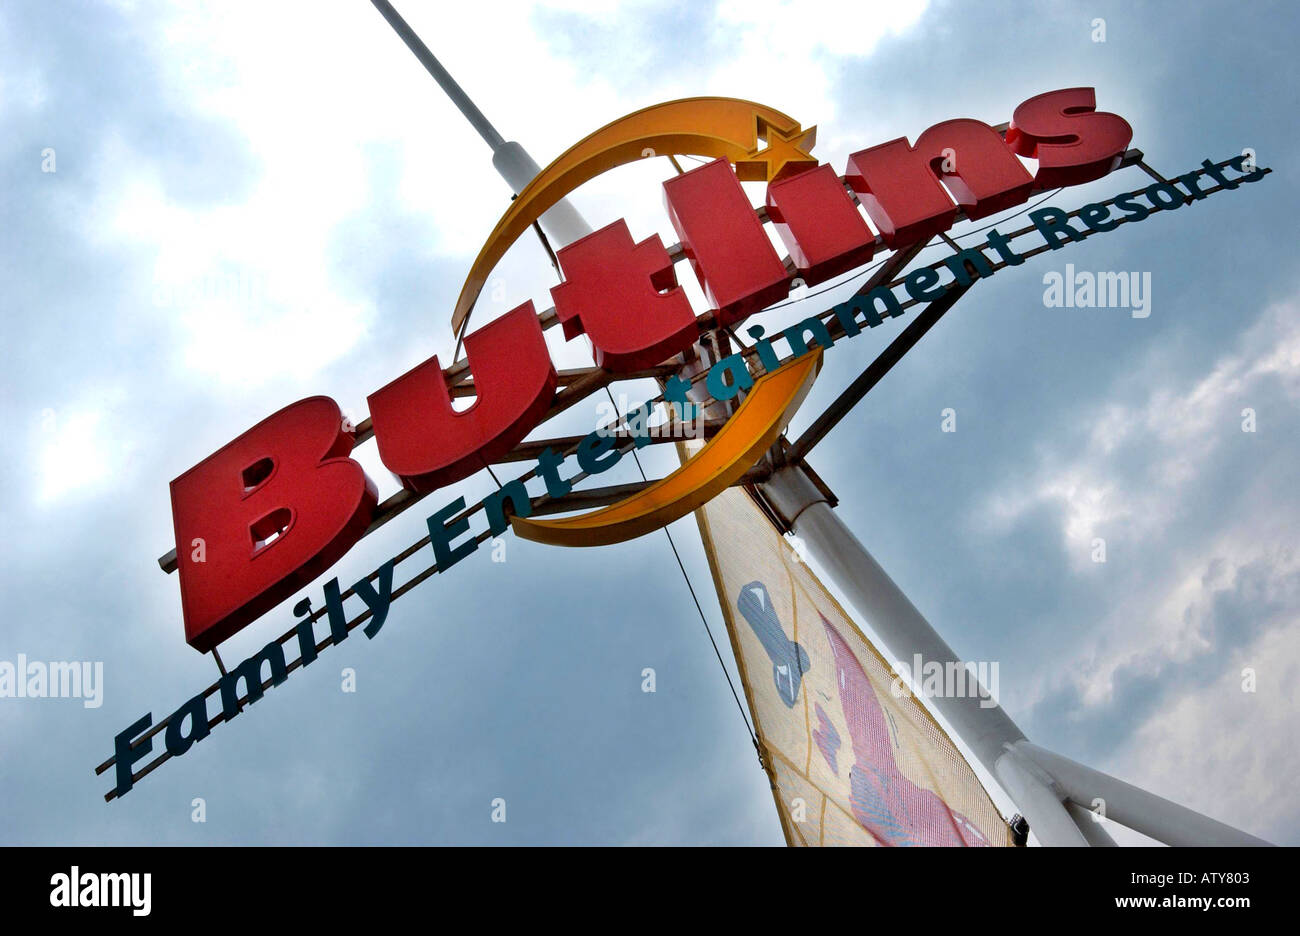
283,502
279,505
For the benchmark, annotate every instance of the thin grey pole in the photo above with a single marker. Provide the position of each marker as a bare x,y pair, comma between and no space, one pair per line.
561,222
448,84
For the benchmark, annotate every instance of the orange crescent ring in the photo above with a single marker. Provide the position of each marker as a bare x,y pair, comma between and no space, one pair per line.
725,127
741,441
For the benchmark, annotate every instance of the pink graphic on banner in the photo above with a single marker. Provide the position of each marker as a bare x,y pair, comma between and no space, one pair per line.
827,738
884,801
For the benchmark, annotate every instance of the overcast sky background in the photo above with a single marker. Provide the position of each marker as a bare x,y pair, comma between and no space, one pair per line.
299,150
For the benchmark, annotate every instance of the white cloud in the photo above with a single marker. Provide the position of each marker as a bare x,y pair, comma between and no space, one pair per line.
77,449
314,91
1175,430
1223,751
785,48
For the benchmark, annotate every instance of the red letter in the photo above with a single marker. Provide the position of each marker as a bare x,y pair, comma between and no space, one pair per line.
427,444
611,291
899,184
819,224
270,511
1072,141
726,243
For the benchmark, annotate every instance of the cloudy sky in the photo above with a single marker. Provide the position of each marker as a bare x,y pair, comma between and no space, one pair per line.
252,203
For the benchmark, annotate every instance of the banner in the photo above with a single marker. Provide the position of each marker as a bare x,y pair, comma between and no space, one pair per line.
854,759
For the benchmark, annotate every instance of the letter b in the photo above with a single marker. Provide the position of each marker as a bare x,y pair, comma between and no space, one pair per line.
276,507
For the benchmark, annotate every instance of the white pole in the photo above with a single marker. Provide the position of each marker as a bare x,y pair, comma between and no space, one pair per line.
1090,826
1039,798
561,222
1133,807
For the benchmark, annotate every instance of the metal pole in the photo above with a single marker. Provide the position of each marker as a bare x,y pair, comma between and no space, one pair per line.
562,222
1039,798
1090,826
440,75
1133,807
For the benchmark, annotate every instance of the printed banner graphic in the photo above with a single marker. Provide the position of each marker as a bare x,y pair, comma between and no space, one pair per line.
852,761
